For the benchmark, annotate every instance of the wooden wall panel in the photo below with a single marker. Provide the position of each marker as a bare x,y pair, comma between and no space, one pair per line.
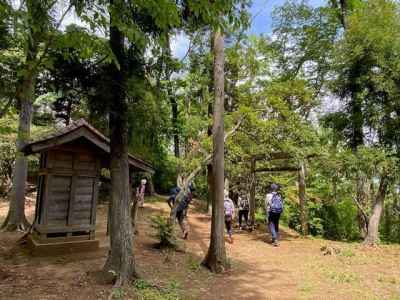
58,200
82,209
63,160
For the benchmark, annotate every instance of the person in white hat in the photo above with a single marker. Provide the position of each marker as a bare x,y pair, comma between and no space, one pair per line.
140,192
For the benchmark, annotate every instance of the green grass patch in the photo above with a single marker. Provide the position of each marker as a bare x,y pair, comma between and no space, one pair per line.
144,290
117,293
193,264
306,288
340,277
347,253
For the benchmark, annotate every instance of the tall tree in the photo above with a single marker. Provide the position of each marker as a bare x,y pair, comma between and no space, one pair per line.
35,25
120,258
215,259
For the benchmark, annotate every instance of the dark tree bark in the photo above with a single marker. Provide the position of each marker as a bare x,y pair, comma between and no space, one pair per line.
252,201
302,199
342,6
120,257
362,201
215,259
174,108
372,237
210,181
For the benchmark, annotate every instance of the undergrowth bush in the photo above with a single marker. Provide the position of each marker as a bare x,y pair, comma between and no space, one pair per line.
164,232
331,220
144,290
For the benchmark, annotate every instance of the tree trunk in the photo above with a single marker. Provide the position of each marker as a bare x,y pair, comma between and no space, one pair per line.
16,219
25,94
252,193
210,181
302,200
174,108
120,257
215,259
362,200
373,226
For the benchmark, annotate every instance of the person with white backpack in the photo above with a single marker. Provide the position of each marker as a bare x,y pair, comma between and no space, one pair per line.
274,209
244,206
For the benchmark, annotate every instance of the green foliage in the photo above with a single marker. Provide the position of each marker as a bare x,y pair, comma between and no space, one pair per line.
144,290
8,135
165,233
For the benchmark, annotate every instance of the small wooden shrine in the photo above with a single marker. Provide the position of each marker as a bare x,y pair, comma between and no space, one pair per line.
70,163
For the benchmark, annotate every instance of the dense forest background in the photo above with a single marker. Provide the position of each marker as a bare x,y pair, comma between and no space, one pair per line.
323,89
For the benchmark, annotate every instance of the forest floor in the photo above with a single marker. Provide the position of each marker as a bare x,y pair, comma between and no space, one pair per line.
298,269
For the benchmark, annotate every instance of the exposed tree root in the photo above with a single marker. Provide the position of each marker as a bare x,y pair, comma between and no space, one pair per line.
22,226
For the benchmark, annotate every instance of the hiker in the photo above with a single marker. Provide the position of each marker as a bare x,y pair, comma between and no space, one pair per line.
140,192
229,211
181,212
243,204
173,193
274,209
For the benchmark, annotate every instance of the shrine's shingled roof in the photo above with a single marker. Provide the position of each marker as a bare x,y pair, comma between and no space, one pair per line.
80,129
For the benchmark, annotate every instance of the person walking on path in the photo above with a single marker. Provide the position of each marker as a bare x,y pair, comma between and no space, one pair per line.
274,209
181,212
229,211
140,191
171,199
244,205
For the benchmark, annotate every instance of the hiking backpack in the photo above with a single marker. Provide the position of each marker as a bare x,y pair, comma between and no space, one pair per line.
276,204
244,203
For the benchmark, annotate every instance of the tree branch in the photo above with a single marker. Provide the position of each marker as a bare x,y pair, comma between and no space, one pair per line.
278,169
51,38
186,181
361,209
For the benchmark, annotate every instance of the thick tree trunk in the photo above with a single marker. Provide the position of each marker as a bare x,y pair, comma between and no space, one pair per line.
120,258
210,179
302,199
16,219
372,237
215,259
252,201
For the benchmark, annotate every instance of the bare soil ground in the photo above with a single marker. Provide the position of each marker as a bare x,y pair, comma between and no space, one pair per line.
298,269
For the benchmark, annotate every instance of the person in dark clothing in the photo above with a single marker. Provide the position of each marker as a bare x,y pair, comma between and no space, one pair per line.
173,193
243,204
181,211
274,209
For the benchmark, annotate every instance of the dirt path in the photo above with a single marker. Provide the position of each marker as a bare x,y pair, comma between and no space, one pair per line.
295,270
298,268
